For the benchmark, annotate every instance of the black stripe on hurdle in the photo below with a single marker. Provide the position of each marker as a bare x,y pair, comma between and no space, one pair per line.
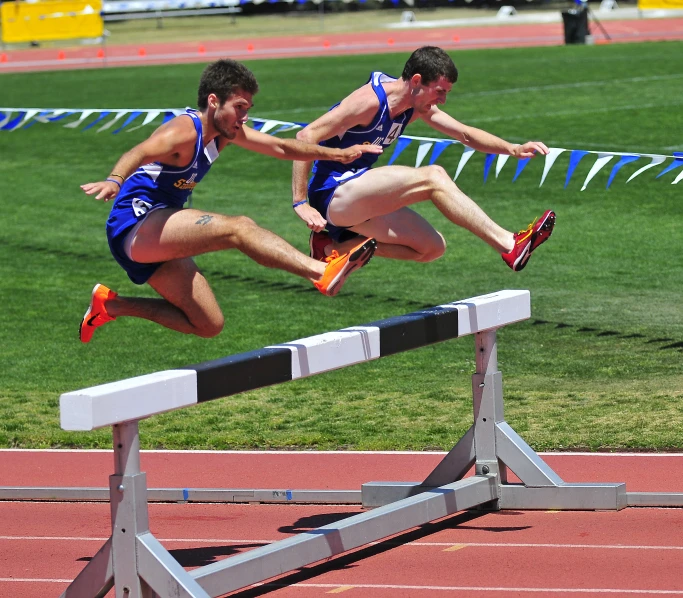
424,327
244,371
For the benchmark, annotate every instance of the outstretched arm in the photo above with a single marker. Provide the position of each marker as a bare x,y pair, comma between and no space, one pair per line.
481,140
169,144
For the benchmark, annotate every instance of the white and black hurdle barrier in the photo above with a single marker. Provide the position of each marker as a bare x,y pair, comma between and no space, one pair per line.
135,562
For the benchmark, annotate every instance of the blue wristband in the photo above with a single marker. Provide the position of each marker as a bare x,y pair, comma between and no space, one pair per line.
299,203
114,181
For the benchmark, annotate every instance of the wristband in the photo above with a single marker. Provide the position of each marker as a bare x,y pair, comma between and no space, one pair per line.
299,203
113,181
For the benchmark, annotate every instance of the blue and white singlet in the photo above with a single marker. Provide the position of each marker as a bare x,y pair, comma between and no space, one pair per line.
383,131
154,186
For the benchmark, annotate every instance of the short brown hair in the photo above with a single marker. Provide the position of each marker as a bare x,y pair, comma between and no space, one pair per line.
224,77
430,62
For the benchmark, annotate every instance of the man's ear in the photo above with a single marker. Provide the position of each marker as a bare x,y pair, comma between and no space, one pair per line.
416,80
213,101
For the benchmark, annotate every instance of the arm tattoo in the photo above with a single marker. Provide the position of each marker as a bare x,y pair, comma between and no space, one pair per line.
205,219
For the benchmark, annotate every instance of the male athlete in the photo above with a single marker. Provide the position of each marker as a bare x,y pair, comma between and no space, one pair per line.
353,200
154,238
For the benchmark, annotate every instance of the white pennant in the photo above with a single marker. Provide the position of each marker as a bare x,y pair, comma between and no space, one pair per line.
84,115
550,160
270,124
502,159
466,155
28,116
655,160
149,117
678,178
422,151
118,117
599,163
46,117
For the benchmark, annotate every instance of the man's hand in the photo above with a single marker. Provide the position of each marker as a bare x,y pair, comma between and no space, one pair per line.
354,152
105,190
530,149
311,217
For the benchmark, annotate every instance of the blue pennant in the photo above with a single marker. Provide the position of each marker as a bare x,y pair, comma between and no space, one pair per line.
624,160
98,119
401,144
34,121
168,116
678,161
487,165
14,122
574,160
129,120
439,147
258,125
521,165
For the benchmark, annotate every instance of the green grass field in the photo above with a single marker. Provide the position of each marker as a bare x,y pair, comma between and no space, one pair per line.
598,367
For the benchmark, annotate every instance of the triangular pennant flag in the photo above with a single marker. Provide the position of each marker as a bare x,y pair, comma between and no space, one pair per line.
149,117
655,161
84,114
678,161
521,165
401,144
467,153
113,121
599,163
30,113
283,128
129,120
169,115
40,117
574,159
624,160
60,114
268,125
422,151
550,158
678,178
488,161
100,118
502,159
14,122
439,147
7,114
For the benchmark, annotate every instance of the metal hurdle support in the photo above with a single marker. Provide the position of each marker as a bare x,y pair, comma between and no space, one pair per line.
140,567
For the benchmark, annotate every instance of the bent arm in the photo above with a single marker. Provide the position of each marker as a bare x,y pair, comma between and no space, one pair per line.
167,144
479,139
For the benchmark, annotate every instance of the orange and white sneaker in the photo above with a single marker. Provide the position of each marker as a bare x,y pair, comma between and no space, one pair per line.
96,315
529,239
340,266
317,243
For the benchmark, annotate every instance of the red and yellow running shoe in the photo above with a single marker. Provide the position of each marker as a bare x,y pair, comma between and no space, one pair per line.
339,267
317,243
96,315
529,239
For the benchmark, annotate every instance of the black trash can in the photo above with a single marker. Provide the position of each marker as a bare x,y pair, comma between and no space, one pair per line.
575,25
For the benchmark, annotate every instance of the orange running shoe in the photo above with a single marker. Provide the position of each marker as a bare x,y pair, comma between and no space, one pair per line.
340,266
317,243
529,239
96,314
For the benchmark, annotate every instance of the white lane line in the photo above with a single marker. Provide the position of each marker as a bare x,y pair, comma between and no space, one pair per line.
235,452
438,544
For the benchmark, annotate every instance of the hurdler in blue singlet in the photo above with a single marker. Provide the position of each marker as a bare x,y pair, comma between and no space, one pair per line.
151,187
383,130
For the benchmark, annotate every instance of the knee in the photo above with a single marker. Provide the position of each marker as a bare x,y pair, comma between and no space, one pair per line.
435,250
210,328
437,176
237,228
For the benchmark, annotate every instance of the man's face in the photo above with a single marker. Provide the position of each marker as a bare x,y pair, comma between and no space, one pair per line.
426,96
230,116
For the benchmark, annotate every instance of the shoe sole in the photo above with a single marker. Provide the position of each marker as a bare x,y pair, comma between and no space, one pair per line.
87,315
358,258
547,225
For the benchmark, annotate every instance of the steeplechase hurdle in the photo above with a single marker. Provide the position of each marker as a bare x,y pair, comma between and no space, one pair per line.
135,562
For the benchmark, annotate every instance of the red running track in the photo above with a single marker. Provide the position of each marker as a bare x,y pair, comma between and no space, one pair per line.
497,36
634,552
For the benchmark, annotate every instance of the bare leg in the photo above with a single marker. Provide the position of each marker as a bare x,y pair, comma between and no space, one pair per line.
175,234
188,304
385,190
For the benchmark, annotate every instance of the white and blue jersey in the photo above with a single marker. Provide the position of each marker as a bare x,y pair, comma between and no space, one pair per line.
154,186
383,131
